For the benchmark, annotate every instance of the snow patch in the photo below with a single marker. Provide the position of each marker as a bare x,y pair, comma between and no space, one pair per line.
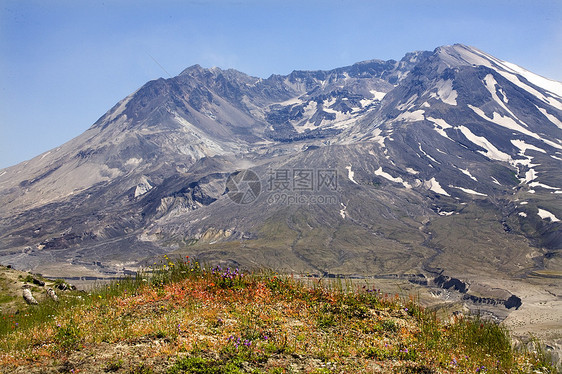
496,181
378,138
443,213
530,175
329,102
538,184
434,186
490,150
550,85
506,122
445,92
386,175
504,96
440,122
342,211
527,162
523,214
309,111
350,174
468,191
426,155
550,117
513,78
524,146
133,161
509,123
467,173
412,171
45,155
378,94
491,83
365,103
292,101
414,116
440,125
545,214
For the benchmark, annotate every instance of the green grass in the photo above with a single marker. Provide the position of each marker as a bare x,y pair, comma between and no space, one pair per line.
181,317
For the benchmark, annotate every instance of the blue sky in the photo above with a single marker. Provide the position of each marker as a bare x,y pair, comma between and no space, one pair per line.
63,64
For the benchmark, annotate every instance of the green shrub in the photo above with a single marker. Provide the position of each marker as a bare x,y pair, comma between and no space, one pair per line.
376,353
113,366
389,325
326,320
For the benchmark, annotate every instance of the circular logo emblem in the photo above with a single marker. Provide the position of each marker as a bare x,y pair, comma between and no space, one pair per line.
243,187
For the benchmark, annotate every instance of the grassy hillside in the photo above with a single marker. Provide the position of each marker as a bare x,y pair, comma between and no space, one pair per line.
183,318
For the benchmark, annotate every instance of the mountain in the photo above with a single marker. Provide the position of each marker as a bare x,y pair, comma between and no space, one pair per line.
445,162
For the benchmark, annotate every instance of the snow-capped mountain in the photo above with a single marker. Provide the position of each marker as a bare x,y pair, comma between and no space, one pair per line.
444,155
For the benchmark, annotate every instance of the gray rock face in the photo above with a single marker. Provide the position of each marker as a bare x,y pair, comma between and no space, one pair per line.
443,155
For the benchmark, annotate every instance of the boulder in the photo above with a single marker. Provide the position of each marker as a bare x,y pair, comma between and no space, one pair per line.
51,293
28,297
513,302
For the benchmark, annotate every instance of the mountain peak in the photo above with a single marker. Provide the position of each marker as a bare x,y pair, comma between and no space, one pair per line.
457,55
192,70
